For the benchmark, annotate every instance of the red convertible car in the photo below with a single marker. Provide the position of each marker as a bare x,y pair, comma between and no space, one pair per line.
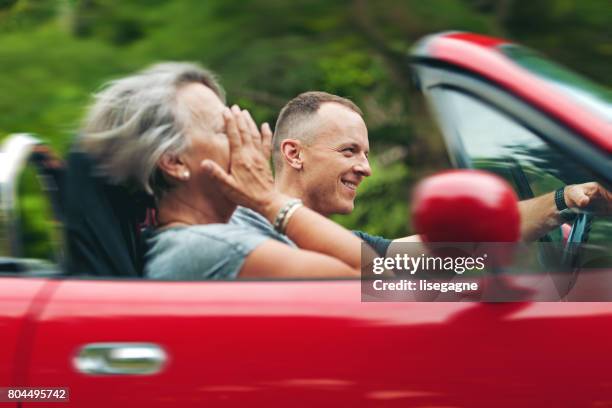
134,342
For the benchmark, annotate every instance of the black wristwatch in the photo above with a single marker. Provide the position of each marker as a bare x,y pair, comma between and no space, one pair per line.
567,215
560,199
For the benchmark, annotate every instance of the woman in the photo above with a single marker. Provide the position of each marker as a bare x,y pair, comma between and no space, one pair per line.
167,131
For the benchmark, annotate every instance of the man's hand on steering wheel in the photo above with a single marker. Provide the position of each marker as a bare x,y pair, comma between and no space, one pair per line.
589,196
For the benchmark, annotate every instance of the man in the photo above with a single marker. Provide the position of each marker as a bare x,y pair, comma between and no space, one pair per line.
326,161
320,155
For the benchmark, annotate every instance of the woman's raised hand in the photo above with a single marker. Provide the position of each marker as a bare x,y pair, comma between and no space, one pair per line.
248,181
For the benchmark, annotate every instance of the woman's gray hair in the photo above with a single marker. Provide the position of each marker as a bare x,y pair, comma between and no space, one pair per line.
134,120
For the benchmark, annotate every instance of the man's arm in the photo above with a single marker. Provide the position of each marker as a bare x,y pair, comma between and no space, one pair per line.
539,215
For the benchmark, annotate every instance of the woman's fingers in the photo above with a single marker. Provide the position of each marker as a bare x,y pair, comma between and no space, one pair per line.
245,137
248,181
231,128
266,140
255,135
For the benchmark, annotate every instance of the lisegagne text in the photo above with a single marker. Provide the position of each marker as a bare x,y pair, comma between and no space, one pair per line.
424,285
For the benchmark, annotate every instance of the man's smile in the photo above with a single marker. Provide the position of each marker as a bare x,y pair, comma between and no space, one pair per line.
350,184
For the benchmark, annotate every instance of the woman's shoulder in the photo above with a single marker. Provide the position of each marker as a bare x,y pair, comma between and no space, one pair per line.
211,251
236,236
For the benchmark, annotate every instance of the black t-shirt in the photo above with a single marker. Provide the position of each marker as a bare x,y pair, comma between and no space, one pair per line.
379,244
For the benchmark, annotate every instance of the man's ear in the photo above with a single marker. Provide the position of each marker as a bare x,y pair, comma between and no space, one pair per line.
173,167
291,152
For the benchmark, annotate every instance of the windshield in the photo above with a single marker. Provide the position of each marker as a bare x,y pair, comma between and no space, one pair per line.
497,143
595,97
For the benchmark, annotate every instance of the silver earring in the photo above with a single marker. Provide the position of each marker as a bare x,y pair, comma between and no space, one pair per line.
186,175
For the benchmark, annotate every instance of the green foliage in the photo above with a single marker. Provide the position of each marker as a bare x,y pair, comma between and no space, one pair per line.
39,234
576,33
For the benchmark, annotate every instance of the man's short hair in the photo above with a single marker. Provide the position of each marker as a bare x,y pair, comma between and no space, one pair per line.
295,117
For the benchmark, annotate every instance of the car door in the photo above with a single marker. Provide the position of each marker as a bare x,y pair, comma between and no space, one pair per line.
228,343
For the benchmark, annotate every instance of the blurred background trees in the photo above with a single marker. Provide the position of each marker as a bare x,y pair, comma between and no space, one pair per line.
55,53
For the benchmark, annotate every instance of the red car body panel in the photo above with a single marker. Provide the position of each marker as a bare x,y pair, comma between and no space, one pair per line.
314,343
19,304
479,54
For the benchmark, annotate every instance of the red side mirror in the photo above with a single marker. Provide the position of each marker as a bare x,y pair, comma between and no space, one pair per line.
466,206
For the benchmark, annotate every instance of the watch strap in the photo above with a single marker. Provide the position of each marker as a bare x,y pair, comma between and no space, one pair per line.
560,199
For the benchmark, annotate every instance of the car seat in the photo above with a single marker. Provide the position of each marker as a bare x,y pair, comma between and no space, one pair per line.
102,223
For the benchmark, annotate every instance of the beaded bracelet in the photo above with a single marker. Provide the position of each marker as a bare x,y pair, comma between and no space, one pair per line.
282,219
290,213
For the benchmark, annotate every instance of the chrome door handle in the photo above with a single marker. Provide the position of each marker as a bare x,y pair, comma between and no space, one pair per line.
120,359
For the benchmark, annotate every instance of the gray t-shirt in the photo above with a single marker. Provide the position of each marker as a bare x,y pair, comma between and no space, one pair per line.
198,252
246,217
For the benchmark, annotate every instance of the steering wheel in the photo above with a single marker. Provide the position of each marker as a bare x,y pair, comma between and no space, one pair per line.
579,234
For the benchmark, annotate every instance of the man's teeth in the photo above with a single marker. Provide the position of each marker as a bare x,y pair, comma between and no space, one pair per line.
349,184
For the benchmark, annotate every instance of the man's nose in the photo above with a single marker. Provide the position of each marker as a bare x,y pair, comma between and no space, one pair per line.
363,167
